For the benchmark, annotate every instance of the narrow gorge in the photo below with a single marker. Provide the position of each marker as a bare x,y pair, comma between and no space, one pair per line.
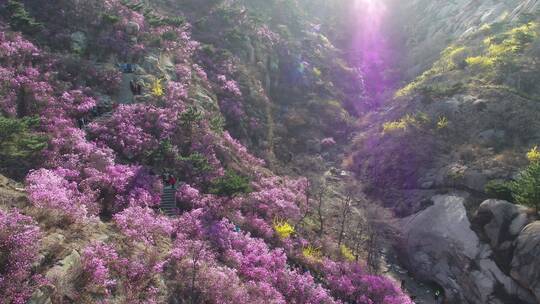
270,151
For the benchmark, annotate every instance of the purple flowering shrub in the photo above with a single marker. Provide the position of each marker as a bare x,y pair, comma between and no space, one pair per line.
134,129
96,260
19,244
349,282
122,186
207,249
50,190
143,225
241,151
132,276
221,249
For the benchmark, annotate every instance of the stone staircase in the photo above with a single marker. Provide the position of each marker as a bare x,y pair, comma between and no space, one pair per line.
168,201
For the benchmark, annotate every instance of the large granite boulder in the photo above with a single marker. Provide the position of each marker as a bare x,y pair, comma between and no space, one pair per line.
440,247
501,222
526,261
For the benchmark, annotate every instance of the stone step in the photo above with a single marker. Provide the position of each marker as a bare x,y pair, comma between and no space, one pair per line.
168,202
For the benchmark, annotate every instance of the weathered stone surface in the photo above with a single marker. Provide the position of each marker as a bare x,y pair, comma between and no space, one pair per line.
501,222
64,274
526,262
42,295
440,246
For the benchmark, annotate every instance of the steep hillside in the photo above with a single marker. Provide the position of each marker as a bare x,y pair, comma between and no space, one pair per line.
103,101
462,130
269,151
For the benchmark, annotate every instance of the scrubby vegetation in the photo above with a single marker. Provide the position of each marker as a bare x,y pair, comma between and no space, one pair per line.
498,55
526,188
19,142
241,232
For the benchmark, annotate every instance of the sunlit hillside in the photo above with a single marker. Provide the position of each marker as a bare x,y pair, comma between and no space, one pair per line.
269,151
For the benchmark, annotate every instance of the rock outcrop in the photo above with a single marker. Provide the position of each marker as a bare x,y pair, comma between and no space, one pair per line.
440,247
501,222
429,25
526,261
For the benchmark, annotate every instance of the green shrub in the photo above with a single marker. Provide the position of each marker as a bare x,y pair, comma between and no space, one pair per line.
196,163
110,19
18,143
499,190
191,116
20,19
441,90
526,188
217,124
230,185
208,49
169,36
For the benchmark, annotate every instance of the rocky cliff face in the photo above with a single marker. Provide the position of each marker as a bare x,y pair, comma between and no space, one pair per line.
441,247
466,120
430,26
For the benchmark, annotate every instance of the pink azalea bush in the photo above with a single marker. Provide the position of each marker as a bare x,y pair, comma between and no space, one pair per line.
50,190
349,282
96,260
206,244
19,244
104,267
76,103
241,151
134,129
143,225
221,249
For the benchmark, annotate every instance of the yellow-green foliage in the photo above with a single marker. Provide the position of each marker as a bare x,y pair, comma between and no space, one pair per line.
448,62
533,155
405,122
157,88
442,123
395,125
485,28
347,253
505,46
480,62
496,51
317,72
283,228
312,253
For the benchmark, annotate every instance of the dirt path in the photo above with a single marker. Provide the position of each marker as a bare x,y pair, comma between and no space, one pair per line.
124,94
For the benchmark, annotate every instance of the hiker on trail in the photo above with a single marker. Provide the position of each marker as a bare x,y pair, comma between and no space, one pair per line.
127,68
165,178
138,88
172,181
289,157
133,87
438,295
81,122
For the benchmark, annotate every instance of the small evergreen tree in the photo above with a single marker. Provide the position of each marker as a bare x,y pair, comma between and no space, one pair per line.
20,19
526,188
17,141
230,184
500,190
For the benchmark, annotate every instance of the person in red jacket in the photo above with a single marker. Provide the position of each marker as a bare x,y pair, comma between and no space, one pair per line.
172,181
